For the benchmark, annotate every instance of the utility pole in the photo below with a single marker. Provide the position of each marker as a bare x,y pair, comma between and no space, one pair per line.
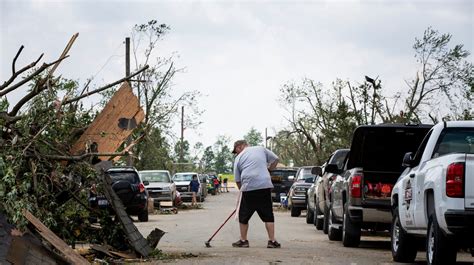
266,137
181,155
127,73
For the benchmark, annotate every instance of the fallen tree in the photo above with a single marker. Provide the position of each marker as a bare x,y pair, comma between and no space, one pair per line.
41,172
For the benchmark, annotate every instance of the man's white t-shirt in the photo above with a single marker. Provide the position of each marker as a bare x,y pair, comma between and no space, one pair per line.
251,168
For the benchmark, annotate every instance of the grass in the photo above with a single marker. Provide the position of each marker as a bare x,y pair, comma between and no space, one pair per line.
230,177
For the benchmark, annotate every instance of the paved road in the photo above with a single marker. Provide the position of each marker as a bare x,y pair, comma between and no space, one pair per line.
301,243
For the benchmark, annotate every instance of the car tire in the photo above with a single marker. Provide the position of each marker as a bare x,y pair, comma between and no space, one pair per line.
439,248
143,216
403,245
350,231
326,220
309,215
295,212
334,234
318,222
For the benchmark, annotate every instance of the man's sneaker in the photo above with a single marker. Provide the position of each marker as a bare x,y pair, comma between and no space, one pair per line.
273,244
241,244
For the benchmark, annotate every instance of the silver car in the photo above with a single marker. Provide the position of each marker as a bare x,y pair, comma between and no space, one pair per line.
161,187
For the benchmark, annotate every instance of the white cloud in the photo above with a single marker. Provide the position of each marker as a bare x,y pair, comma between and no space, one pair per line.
238,53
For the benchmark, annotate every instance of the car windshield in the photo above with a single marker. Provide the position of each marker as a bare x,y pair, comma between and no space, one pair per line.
155,176
183,177
455,140
305,173
282,175
130,177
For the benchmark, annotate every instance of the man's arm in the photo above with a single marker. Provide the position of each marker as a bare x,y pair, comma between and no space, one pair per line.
273,165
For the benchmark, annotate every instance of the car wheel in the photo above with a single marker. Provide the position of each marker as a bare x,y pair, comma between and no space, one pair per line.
295,212
350,231
403,245
326,220
143,216
318,222
334,234
439,248
309,215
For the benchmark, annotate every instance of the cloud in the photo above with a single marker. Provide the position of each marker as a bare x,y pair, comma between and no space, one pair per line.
238,53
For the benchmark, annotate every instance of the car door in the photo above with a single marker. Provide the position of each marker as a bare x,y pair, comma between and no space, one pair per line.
411,200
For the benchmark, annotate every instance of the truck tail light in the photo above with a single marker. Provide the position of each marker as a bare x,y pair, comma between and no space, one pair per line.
141,187
455,180
356,186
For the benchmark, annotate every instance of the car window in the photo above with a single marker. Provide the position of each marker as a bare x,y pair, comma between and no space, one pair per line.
282,175
130,177
305,173
183,177
339,158
455,140
155,176
421,149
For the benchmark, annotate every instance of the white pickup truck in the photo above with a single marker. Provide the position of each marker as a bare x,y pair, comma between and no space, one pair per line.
434,197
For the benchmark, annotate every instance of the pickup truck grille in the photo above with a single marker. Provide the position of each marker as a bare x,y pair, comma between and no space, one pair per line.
182,188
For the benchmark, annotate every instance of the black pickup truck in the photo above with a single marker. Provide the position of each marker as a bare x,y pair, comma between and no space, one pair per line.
360,198
282,179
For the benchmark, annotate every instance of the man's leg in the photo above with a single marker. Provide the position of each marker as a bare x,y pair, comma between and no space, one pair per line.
270,230
244,228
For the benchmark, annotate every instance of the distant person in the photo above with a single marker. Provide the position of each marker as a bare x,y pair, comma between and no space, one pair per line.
194,187
251,168
220,184
215,181
225,185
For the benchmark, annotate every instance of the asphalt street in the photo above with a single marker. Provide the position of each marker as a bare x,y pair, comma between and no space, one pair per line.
301,243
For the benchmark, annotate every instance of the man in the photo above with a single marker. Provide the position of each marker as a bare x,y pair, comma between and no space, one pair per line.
253,179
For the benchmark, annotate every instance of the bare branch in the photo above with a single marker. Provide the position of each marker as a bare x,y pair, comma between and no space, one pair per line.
80,157
30,77
16,57
16,74
106,86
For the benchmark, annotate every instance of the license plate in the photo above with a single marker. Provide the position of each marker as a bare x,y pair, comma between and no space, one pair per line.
103,202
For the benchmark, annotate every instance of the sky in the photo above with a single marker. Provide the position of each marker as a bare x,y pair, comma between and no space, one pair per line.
237,54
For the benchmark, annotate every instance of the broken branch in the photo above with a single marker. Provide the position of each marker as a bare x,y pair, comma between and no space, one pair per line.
105,87
16,74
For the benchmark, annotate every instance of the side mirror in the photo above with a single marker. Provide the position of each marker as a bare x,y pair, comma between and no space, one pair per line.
146,183
317,171
291,178
332,168
407,160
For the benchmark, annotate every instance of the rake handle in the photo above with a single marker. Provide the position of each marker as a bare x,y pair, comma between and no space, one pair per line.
222,225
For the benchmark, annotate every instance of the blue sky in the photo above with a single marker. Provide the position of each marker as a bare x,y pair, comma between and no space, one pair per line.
238,54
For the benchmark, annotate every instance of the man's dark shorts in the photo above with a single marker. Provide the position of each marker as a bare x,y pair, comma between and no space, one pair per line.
259,201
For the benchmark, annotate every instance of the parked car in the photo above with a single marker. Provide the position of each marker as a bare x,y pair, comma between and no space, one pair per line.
297,194
361,198
311,195
434,196
323,185
182,181
161,187
282,179
128,186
